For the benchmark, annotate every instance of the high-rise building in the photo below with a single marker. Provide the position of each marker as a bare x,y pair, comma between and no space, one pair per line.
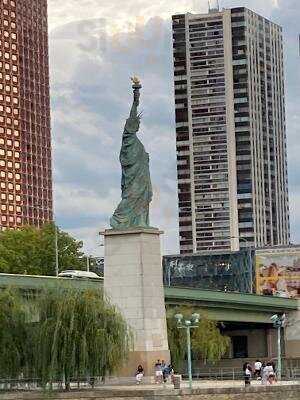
25,138
230,130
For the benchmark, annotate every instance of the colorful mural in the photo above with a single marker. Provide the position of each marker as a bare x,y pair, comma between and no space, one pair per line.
278,274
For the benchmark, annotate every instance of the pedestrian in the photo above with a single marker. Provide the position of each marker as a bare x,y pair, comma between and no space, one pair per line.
171,372
139,374
274,366
158,372
267,373
163,368
257,369
165,371
247,373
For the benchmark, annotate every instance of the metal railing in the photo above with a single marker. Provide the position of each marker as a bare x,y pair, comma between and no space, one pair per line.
28,384
234,373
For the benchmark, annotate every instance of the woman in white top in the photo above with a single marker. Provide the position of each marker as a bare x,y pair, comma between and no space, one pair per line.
268,372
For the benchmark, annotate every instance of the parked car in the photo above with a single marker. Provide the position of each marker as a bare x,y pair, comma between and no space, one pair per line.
72,273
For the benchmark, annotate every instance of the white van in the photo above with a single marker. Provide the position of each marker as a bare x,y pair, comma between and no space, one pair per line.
72,273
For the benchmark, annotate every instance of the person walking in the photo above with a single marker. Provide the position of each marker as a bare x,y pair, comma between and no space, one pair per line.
158,372
257,369
165,371
247,373
170,372
139,374
268,375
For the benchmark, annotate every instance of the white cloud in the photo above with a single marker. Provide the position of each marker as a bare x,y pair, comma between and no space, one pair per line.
72,201
93,241
120,15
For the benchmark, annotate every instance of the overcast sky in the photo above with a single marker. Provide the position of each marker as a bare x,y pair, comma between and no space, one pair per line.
95,46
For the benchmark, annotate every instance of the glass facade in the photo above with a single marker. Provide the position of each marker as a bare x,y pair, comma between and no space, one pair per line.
224,271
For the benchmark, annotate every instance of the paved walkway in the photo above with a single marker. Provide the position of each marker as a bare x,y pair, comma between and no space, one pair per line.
197,384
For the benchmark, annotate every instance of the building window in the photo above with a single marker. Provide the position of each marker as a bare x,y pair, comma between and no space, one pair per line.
240,346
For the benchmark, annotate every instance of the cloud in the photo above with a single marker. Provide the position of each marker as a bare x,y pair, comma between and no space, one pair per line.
120,16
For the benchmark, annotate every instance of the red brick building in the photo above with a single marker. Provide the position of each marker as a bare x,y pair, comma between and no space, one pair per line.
25,137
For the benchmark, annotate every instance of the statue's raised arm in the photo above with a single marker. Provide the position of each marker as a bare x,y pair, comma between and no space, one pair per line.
136,90
133,122
133,210
136,97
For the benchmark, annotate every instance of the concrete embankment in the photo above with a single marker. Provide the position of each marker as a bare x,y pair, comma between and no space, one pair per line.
284,392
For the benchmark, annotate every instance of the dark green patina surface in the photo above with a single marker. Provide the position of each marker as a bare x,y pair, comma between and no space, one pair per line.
133,210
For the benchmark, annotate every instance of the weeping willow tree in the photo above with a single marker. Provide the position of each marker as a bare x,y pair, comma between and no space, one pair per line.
80,334
16,346
208,344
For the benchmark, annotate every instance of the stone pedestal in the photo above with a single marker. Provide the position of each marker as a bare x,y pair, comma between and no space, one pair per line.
292,334
133,282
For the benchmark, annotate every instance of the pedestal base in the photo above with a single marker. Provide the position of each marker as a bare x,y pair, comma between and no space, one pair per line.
292,334
145,358
133,281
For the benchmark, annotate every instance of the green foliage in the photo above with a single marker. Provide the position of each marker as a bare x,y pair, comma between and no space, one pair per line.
176,339
207,341
70,333
32,251
15,339
80,334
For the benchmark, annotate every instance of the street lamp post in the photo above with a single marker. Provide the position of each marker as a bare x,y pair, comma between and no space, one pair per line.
56,251
188,324
278,322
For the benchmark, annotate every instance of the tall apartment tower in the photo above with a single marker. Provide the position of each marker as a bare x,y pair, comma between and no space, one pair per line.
230,131
25,138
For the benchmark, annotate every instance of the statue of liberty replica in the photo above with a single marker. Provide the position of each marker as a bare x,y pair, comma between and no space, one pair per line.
132,251
133,210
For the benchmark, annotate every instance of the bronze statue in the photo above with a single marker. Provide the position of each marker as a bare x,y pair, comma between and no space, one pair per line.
133,210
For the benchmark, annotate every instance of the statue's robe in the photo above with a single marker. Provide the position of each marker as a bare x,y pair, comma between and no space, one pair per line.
133,210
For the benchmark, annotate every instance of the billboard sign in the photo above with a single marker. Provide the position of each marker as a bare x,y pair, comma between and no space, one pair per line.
278,274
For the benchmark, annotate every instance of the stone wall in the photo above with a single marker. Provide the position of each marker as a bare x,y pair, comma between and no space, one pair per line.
286,392
292,334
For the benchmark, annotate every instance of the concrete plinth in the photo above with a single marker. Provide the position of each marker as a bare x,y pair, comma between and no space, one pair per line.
133,281
292,334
